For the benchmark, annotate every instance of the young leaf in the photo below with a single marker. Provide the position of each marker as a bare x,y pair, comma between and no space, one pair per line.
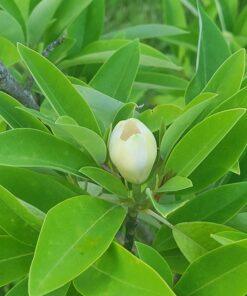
16,117
210,54
15,259
216,205
8,52
33,148
220,272
194,238
79,231
156,261
193,148
57,88
115,78
18,219
106,180
175,184
125,273
40,190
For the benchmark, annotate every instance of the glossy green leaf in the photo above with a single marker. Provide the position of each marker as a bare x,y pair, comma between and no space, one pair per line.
11,7
41,18
239,221
125,272
164,240
15,259
18,219
79,231
40,190
21,289
161,114
33,148
222,158
104,107
8,52
115,78
173,13
238,100
145,31
105,179
156,261
216,205
227,11
193,148
159,81
83,138
101,51
175,184
15,117
220,272
10,28
57,88
223,82
210,54
194,238
179,126
228,237
67,12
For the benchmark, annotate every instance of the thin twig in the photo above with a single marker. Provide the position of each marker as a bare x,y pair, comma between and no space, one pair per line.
11,86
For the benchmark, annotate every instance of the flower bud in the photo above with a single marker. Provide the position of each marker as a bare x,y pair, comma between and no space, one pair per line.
133,150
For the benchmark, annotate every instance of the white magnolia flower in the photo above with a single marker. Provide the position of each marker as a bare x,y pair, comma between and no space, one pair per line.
133,150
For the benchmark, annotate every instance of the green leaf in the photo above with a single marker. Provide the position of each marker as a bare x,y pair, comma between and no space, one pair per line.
15,259
10,28
175,184
79,231
227,11
11,7
57,88
216,205
220,272
227,80
33,148
238,100
179,127
18,219
21,289
150,256
40,190
161,114
67,12
210,54
193,148
228,237
173,13
41,18
104,107
164,240
125,272
222,158
16,117
106,180
115,78
159,81
194,238
239,222
100,51
83,138
145,31
8,52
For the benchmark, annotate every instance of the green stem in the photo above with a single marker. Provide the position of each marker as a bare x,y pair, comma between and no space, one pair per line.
159,218
131,224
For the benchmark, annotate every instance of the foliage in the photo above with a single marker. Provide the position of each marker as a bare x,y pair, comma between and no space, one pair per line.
70,71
